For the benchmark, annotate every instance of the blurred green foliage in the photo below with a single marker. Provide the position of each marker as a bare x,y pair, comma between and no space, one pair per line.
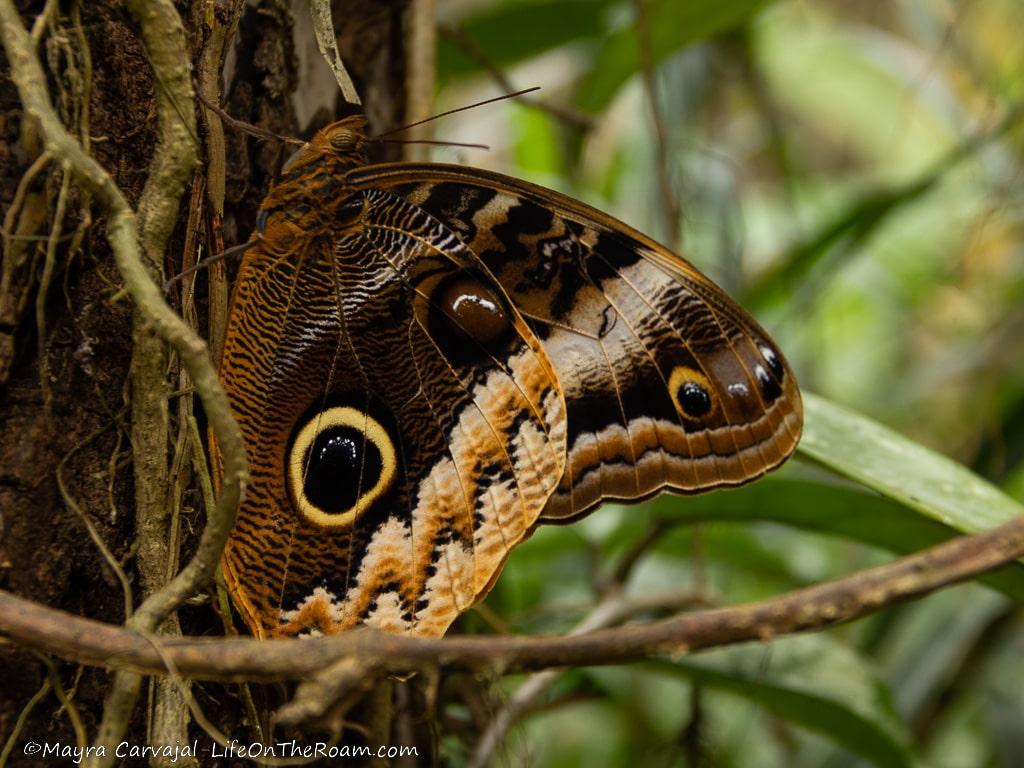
851,171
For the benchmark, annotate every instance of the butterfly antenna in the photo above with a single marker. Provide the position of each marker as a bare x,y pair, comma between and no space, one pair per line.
458,109
204,263
431,141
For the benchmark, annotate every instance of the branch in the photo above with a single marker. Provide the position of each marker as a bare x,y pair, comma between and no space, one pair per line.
823,605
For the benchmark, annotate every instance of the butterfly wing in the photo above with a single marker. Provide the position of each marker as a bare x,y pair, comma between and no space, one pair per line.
405,426
668,383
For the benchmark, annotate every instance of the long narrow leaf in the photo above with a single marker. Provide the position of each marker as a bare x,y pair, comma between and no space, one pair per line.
810,681
881,459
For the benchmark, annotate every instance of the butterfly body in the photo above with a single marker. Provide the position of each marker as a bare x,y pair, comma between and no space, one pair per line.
427,361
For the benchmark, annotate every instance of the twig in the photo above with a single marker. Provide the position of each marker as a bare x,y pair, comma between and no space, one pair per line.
65,700
613,609
810,608
604,614
10,217
633,555
469,46
420,71
217,38
97,539
323,26
19,724
43,21
45,279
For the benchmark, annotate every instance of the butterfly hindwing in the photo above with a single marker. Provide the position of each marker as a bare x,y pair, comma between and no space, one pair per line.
346,358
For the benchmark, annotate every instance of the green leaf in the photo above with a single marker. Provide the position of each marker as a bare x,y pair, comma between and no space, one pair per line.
672,25
879,458
811,681
511,33
926,498
830,508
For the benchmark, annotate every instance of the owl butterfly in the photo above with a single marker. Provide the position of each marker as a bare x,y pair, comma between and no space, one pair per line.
427,361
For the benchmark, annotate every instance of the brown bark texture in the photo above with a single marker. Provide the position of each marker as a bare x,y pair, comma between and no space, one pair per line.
66,326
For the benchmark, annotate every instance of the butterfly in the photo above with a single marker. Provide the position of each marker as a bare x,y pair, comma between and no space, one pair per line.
428,361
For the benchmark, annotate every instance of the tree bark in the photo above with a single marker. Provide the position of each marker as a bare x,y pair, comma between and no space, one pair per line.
95,428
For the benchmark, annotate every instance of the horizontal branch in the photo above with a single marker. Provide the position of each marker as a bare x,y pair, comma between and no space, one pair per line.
91,642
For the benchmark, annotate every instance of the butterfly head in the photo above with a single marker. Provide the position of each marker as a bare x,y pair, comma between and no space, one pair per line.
345,140
340,145
302,200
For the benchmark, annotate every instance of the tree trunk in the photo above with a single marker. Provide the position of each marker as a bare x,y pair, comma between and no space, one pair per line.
95,414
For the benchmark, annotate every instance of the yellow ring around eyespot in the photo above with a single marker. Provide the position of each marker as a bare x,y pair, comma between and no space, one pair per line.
682,374
340,416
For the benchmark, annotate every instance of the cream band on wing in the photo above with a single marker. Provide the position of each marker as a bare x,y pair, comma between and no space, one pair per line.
340,463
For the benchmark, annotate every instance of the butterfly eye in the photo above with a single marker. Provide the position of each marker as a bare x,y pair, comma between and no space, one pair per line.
691,392
344,140
350,210
340,462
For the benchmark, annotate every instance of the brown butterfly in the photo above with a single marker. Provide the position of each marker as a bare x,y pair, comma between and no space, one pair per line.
427,361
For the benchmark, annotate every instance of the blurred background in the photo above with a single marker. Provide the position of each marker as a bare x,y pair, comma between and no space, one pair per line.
851,173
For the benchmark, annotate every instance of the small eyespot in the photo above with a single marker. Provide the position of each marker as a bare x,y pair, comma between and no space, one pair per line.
691,392
738,390
769,385
694,399
470,317
340,462
772,358
473,308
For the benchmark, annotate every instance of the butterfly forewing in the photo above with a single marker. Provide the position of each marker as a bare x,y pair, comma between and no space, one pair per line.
668,383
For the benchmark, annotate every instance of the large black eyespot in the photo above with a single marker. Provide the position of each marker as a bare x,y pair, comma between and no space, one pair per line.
694,399
337,466
341,461
691,392
469,315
